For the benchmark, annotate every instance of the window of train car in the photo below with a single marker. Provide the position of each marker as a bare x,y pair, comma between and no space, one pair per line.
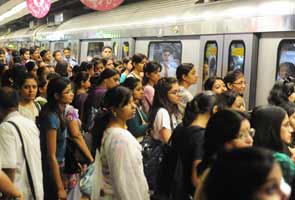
94,49
125,49
210,60
115,49
59,46
236,58
286,59
168,54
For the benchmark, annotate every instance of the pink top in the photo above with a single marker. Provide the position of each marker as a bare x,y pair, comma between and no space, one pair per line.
148,97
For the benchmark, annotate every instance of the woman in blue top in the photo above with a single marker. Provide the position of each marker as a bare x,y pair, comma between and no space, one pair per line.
138,124
53,130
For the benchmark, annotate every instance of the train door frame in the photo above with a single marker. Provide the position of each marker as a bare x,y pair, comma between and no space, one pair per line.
84,46
204,40
251,43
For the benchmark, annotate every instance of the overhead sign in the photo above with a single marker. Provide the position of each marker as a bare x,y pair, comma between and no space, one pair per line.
38,8
102,5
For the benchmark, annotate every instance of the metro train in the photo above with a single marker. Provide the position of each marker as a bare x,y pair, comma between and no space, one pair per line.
255,36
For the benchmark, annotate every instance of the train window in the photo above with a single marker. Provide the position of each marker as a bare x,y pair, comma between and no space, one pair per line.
58,46
115,48
286,59
125,49
236,55
168,54
210,60
94,49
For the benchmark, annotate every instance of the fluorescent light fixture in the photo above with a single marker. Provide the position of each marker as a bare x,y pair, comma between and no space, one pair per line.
16,9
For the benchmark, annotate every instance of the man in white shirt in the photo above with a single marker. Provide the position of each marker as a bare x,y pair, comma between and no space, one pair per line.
11,152
69,58
168,63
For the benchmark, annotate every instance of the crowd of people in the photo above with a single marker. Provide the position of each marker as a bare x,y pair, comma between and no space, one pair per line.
112,129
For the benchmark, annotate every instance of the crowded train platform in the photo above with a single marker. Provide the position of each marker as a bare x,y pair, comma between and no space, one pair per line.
147,100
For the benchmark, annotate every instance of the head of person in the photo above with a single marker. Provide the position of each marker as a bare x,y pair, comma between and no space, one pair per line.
107,52
9,100
215,84
24,53
31,67
35,54
250,173
127,63
108,63
152,73
289,107
42,86
166,96
286,69
45,55
28,87
186,74
234,100
109,78
82,80
59,91
119,66
139,61
90,69
166,55
98,66
135,86
273,129
282,91
63,68
57,55
235,80
118,104
226,129
67,52
205,103
43,72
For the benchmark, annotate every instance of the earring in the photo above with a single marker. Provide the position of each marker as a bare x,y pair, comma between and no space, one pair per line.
115,114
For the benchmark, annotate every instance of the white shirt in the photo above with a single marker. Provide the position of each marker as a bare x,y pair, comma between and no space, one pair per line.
12,155
169,69
162,120
122,167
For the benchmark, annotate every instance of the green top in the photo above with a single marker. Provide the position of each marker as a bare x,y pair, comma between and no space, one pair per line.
138,124
287,166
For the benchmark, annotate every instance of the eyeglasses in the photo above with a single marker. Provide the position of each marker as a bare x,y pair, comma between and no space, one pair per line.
175,92
243,135
240,83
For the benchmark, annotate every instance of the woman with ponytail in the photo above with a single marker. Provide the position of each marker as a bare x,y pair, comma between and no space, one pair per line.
188,137
108,79
120,153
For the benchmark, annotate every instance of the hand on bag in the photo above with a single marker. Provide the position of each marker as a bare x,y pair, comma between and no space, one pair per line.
62,195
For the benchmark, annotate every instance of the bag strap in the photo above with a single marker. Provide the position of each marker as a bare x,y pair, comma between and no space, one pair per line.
26,160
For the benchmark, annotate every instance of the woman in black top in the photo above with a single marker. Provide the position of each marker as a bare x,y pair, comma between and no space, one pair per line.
187,138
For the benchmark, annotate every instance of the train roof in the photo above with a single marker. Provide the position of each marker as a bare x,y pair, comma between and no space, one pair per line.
176,17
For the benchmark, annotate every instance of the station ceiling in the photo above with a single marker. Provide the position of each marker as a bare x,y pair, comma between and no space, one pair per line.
23,17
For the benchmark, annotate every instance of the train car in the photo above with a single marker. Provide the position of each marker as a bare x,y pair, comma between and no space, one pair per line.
256,36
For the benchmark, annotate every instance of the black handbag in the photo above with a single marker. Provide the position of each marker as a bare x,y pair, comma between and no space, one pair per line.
74,157
152,153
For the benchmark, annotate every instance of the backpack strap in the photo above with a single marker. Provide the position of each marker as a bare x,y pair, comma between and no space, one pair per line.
26,160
